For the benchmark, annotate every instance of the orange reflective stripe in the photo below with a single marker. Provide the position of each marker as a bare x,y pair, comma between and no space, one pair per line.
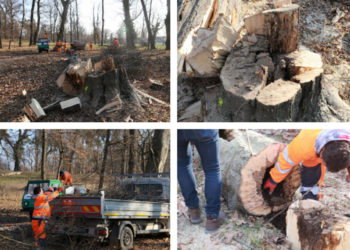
91,208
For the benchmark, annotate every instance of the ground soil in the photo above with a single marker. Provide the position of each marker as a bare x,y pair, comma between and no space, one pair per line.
26,74
241,230
15,224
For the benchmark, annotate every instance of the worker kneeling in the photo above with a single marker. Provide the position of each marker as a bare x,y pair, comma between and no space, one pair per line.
42,213
315,150
66,178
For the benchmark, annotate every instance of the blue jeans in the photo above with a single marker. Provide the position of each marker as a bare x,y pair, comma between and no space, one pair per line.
207,144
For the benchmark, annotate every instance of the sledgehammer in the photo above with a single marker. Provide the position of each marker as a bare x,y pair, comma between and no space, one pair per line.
34,110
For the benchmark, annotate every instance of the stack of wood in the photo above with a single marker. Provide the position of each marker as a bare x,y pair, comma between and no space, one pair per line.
245,163
311,225
206,32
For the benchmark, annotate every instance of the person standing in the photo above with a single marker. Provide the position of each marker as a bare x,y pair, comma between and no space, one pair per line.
207,144
65,177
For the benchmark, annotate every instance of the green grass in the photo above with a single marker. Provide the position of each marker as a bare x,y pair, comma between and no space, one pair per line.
21,178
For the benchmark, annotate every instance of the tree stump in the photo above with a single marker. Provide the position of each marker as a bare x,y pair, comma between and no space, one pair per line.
245,167
301,61
279,101
312,226
280,26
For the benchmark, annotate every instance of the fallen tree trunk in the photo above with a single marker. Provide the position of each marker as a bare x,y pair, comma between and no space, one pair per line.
312,226
245,166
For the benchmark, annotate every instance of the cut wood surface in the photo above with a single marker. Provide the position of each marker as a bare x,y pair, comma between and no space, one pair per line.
279,101
244,169
312,226
210,47
301,61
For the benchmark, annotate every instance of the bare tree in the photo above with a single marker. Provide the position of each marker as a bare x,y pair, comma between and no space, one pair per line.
43,154
76,20
103,22
31,23
22,24
12,7
159,151
1,14
167,27
151,41
38,23
130,31
71,22
104,161
63,15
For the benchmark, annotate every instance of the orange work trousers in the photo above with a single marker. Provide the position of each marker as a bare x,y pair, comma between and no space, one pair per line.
39,230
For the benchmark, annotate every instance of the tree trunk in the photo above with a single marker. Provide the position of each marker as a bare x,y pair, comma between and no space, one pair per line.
245,165
103,22
167,27
281,26
61,153
31,23
130,32
311,226
131,163
104,161
65,4
36,34
17,157
22,24
0,29
77,19
71,22
158,151
43,154
148,25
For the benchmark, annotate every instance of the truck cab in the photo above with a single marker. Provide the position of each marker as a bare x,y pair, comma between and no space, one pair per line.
28,200
43,45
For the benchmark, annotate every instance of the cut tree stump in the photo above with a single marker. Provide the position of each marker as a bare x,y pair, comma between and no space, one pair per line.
301,61
281,27
279,101
245,166
210,48
72,80
312,226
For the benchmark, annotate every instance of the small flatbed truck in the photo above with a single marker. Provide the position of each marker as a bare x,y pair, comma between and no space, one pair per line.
117,221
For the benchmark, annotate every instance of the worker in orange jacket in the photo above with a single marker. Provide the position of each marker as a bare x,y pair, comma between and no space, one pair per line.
65,177
59,44
90,45
315,150
45,35
116,43
42,213
65,46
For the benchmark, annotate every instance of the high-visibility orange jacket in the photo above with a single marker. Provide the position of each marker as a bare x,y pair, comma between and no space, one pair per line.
66,178
305,150
42,209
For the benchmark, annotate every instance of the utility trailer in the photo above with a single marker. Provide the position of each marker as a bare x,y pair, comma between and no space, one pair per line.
118,221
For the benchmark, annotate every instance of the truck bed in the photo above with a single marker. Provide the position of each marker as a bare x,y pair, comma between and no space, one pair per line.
100,208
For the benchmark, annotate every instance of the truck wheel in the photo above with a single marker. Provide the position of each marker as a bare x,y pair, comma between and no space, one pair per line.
126,238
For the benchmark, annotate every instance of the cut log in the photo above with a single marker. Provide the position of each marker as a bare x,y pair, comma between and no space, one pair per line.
106,64
72,80
209,48
301,61
281,27
245,166
151,97
311,225
279,102
192,113
281,3
242,78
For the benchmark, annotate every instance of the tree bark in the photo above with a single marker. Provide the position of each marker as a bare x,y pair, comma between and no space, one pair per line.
31,23
130,31
245,165
311,225
104,161
77,20
65,4
43,154
22,24
158,151
0,28
36,34
167,27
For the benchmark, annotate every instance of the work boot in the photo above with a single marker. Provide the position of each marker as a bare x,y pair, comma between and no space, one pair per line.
213,225
195,215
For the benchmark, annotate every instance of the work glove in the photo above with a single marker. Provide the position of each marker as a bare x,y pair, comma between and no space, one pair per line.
60,189
348,177
270,184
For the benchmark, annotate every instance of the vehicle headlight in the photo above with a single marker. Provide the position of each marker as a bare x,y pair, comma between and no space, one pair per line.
26,203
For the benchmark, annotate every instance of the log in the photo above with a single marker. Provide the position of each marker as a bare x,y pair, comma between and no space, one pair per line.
301,61
311,225
279,102
72,80
245,167
105,64
281,27
209,48
242,78
192,113
151,97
